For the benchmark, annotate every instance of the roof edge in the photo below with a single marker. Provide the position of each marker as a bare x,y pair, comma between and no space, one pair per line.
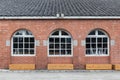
55,17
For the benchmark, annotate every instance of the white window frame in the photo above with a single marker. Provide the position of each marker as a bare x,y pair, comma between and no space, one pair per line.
32,36
98,36
60,36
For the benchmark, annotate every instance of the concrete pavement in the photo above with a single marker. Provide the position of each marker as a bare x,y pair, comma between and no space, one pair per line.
59,75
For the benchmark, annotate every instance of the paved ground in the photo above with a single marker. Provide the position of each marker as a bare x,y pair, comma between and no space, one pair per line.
59,75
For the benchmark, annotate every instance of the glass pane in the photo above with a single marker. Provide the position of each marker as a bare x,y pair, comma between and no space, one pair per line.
15,51
51,52
92,33
56,33
32,45
20,39
28,32
68,40
87,45
99,45
105,51
100,33
51,45
68,46
57,46
21,45
100,51
15,45
26,45
62,40
20,51
93,45
51,39
63,46
31,39
88,51
99,39
57,52
87,40
104,45
26,39
68,52
56,40
26,51
31,51
104,39
62,52
19,33
15,39
93,40
64,33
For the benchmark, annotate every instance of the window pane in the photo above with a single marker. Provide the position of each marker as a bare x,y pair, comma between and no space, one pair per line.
28,32
62,40
68,40
51,45
104,39
92,33
15,51
26,51
57,46
51,39
64,33
68,52
26,39
100,33
100,51
93,45
87,45
104,45
68,46
19,33
99,39
63,46
26,45
56,40
87,40
32,45
21,45
20,51
62,52
57,52
99,45
31,51
15,45
56,33
93,40
31,39
15,39
20,39
105,51
51,52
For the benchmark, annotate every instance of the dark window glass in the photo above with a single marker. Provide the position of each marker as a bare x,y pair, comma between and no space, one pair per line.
99,39
51,39
87,40
20,51
93,40
26,51
62,40
100,33
26,39
20,39
15,39
57,46
56,52
56,33
51,52
63,46
51,45
32,45
15,45
104,39
68,52
31,39
92,33
64,33
26,45
87,45
56,40
62,52
31,51
68,46
68,40
21,45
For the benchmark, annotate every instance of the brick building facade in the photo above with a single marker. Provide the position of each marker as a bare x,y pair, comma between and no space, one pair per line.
88,40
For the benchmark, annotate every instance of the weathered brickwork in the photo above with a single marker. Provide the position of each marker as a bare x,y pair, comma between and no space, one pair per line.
41,29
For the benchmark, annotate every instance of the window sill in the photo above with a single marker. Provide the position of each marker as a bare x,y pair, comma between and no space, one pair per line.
95,55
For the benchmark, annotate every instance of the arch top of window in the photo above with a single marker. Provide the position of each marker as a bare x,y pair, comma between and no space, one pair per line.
23,33
97,33
60,33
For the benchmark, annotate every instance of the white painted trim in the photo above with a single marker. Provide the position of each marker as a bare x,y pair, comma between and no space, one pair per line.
65,17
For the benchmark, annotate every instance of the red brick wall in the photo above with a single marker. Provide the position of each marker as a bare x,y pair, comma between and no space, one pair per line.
42,29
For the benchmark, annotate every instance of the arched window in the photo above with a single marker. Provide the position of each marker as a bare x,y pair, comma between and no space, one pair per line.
60,43
97,43
23,43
